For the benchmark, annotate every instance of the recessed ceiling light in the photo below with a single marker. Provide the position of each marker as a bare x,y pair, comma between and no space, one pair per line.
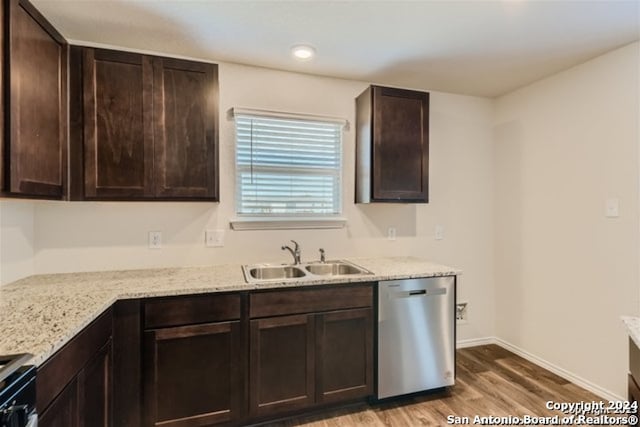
303,52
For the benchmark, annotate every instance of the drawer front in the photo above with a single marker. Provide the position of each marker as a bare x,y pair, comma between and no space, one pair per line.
309,300
187,310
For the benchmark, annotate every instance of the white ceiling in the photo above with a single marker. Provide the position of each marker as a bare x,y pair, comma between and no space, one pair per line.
484,48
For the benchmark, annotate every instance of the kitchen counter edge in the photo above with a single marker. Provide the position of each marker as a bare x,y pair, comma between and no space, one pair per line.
71,301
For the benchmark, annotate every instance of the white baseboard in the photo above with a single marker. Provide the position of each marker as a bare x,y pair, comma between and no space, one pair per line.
569,376
475,342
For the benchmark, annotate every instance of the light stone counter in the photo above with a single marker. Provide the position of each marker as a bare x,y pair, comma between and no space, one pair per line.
40,314
633,327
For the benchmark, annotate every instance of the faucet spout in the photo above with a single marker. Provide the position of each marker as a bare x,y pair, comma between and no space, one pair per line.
295,253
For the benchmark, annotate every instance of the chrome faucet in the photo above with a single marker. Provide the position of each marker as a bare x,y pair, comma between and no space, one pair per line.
295,253
322,259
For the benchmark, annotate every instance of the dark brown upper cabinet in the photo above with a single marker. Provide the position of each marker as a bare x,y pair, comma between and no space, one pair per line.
143,127
118,133
35,103
392,146
185,113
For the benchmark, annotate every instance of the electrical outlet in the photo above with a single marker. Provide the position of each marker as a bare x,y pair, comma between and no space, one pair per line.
461,312
391,233
155,239
439,232
214,238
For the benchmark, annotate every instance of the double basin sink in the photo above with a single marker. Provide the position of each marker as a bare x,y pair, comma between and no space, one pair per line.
268,273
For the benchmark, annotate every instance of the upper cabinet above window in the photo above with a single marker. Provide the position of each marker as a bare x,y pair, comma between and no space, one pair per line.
34,104
392,146
143,127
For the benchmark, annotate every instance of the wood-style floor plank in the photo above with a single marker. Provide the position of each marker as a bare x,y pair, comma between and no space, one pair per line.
491,381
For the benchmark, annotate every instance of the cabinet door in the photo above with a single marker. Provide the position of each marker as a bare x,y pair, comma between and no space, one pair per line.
37,104
633,395
127,363
94,385
282,364
344,356
118,131
400,145
193,375
63,411
185,129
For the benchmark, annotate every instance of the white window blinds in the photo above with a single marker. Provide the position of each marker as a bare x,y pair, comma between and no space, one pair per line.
287,166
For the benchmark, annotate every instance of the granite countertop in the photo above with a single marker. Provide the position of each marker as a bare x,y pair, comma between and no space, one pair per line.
41,313
633,327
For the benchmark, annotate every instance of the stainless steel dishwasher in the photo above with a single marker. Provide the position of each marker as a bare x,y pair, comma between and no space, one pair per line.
416,335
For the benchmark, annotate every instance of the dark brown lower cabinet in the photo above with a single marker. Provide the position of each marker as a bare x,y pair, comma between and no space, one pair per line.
86,400
94,390
213,359
127,363
313,347
345,355
634,394
63,412
74,387
282,364
634,375
193,375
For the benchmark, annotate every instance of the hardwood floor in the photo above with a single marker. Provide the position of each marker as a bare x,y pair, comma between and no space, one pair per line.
491,381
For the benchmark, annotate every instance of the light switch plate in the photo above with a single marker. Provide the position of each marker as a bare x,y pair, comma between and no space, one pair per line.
214,238
439,232
612,208
155,239
391,233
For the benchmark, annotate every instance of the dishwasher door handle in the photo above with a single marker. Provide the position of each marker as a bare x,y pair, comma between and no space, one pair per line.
420,293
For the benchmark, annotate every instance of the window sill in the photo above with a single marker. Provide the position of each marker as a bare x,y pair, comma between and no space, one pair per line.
255,223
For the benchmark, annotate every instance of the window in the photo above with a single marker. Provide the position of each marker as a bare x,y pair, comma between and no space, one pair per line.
288,166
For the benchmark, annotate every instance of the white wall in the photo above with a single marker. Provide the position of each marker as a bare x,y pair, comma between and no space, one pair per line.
565,272
16,240
83,236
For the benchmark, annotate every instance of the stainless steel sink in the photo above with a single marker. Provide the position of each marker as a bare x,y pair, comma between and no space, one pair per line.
270,273
333,268
275,272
